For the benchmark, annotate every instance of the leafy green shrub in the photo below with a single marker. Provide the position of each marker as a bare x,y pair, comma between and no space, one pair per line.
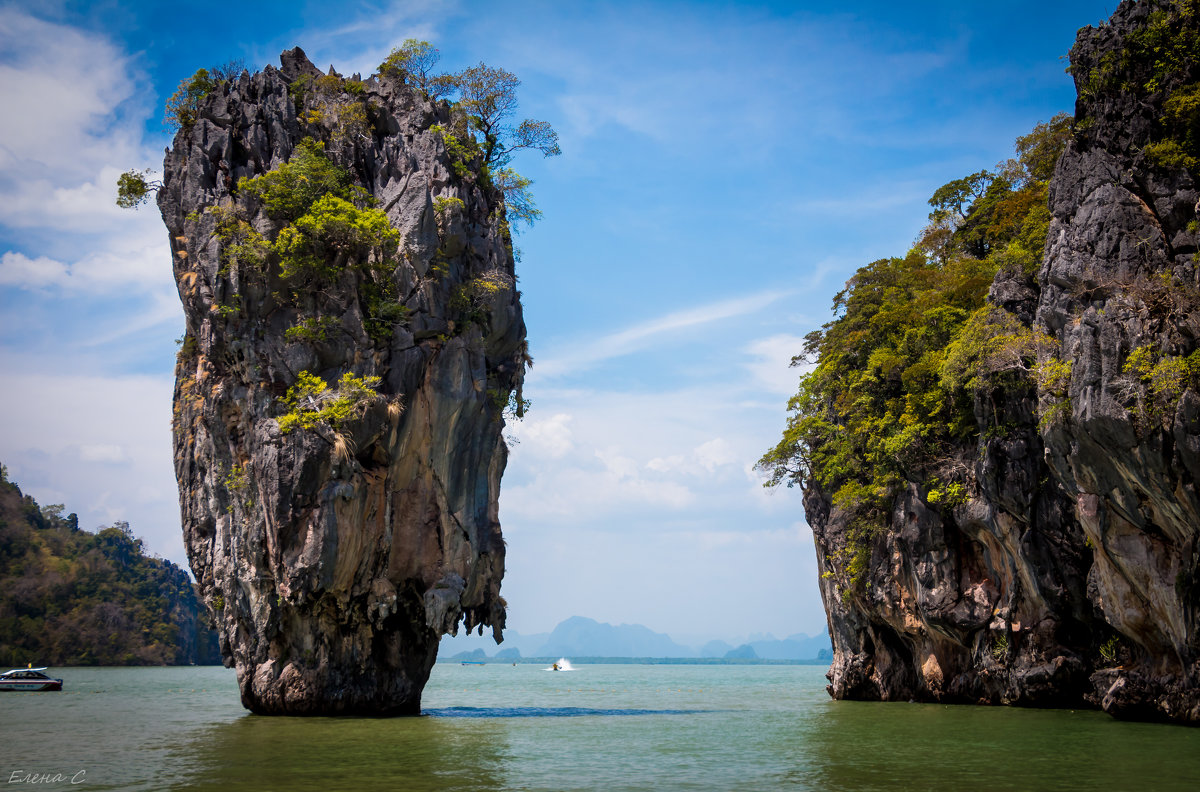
333,231
996,352
383,313
517,405
311,401
483,140
187,347
875,406
237,484
331,102
1000,647
475,296
414,60
241,245
290,190
1156,59
328,225
465,154
1170,154
443,205
184,105
134,189
1162,379
311,330
298,89
518,200
948,495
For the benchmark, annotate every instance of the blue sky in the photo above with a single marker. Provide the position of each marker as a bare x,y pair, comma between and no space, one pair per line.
725,168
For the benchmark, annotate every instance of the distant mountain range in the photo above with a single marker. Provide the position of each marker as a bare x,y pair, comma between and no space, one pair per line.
579,636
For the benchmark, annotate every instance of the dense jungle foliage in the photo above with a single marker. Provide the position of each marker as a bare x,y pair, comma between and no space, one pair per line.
71,597
892,391
916,363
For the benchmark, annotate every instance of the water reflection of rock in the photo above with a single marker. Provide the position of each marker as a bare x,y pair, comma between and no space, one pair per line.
856,745
326,754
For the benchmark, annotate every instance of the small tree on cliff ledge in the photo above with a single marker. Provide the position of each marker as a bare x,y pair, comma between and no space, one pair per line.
134,188
488,96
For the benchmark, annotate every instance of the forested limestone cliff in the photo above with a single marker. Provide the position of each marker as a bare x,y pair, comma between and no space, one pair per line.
1000,450
353,340
73,597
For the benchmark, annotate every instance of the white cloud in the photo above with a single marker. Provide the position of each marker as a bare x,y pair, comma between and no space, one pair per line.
61,85
17,269
102,453
81,206
713,454
138,260
617,465
771,362
74,109
703,460
550,437
637,458
578,357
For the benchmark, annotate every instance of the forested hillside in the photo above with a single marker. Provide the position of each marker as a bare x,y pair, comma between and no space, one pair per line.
72,597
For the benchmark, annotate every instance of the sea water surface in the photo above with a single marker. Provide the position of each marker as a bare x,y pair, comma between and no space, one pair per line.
604,727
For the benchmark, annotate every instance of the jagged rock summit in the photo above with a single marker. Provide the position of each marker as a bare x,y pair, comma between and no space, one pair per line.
341,388
1072,573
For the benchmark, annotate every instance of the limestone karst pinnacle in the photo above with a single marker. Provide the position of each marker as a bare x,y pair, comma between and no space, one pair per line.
334,552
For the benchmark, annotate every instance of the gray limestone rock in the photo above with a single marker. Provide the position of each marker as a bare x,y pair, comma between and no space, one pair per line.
1073,578
334,558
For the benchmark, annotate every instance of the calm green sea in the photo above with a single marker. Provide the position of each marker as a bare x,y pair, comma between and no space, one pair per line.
610,727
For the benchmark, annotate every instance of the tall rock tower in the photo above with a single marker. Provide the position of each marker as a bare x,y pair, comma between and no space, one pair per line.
353,340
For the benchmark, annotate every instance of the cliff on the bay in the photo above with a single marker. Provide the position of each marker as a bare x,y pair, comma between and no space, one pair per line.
75,597
1069,574
353,338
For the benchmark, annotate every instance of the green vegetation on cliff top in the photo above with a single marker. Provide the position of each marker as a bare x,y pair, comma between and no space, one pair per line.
481,141
891,394
71,597
1159,60
916,361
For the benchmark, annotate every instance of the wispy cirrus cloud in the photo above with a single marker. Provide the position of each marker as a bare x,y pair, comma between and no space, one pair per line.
576,357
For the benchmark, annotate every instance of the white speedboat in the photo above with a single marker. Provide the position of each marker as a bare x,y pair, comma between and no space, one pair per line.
28,679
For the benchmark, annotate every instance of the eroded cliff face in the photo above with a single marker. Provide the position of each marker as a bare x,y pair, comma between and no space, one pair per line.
1071,577
334,556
